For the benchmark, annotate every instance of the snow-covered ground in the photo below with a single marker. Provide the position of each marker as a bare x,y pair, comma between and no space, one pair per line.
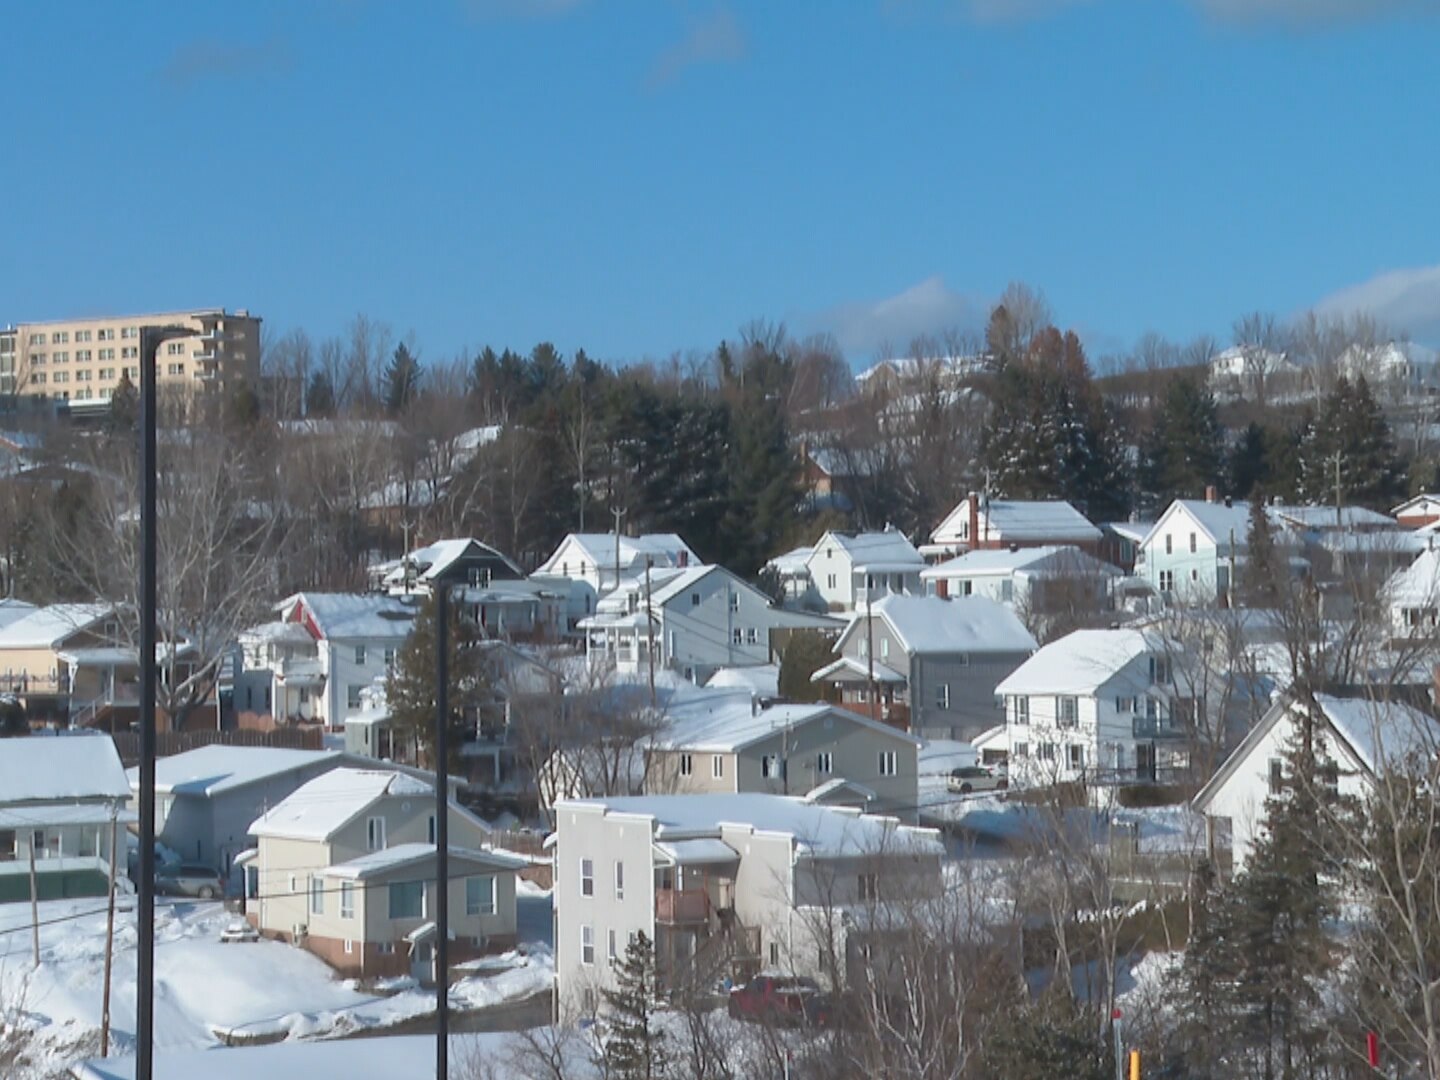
207,992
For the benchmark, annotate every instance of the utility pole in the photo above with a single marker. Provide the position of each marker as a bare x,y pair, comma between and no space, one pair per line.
870,655
34,901
619,512
109,940
442,829
649,631
1339,492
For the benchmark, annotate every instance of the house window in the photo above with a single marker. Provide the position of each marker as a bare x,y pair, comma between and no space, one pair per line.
360,655
830,581
1047,751
717,767
587,877
386,948
619,880
942,696
737,636
375,833
752,636
7,845
1022,710
610,946
1192,543
480,895
1067,710
347,900
1159,670
430,829
824,763
1277,776
1022,750
349,946
1167,581
774,953
869,887
1077,756
389,658
587,945
694,599
734,601
352,696
884,648
687,764
889,763
770,766
407,899
1169,545
317,896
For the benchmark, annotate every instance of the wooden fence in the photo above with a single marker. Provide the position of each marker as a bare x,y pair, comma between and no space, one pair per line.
177,742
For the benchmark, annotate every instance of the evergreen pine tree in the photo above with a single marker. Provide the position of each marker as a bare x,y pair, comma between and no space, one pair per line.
124,405
1185,448
805,652
1348,443
410,686
1248,468
635,1048
402,379
1202,995
320,395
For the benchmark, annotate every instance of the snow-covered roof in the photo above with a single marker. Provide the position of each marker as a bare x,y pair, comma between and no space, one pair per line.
214,770
873,550
354,616
49,814
42,768
1134,531
277,633
1216,518
1021,520
1057,559
678,581
762,680
792,563
46,627
663,549
320,808
858,670
1081,662
435,559
1417,585
731,723
967,624
704,852
822,831
376,863
12,610
1250,360
1325,517
1429,502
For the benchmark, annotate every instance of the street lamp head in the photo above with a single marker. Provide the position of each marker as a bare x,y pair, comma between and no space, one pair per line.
152,336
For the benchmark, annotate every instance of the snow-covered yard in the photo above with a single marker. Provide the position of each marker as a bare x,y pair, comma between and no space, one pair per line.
208,992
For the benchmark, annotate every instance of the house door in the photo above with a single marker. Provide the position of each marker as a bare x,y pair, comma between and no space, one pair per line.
1145,761
422,963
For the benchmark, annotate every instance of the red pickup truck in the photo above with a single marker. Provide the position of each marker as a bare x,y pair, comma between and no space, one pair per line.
782,999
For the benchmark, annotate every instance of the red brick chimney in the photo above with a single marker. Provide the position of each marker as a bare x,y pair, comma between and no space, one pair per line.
1212,493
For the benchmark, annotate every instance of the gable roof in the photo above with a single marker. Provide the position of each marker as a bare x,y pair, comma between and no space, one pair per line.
730,723
1215,519
435,559
889,548
1416,585
1051,559
320,808
1414,502
966,624
44,628
1081,662
345,616
12,610
1020,519
214,770
1370,733
1325,518
41,768
664,549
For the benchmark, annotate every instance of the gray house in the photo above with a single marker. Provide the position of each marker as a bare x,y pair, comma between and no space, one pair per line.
205,799
927,664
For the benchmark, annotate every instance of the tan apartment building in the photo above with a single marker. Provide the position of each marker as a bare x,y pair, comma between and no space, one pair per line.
82,361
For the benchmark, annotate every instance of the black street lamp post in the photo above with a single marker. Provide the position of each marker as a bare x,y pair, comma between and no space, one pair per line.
442,829
150,339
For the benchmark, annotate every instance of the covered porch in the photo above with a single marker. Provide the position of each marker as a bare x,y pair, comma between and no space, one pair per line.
626,641
72,847
852,679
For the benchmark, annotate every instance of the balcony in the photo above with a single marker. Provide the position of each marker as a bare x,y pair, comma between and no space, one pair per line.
1157,727
204,356
677,906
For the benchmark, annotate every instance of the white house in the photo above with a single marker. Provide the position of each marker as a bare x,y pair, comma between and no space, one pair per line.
697,620
722,884
1412,597
595,563
847,572
58,798
1035,581
1417,512
1195,551
1360,735
980,522
1103,703
1395,365
353,640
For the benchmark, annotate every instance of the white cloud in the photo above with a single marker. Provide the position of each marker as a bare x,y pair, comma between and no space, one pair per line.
928,307
1311,12
1404,301
715,39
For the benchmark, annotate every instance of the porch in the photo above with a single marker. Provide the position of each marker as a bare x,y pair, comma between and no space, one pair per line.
698,936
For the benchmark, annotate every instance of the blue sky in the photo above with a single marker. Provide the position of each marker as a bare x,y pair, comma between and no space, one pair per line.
644,178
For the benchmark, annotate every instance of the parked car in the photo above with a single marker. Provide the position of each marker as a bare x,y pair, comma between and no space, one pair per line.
784,999
189,879
970,778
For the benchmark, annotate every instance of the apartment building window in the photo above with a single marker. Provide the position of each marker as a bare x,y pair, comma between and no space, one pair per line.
174,348
1077,757
62,376
82,395
175,369
360,655
1022,710
1167,581
1046,751
317,896
375,834
407,899
61,337
83,356
687,765
889,763
942,696
37,378
82,335
587,945
129,352
619,879
824,763
1067,711
480,895
83,376
37,339
37,360
130,373
347,900
105,334
105,354
717,766
587,877
107,373
129,331
60,357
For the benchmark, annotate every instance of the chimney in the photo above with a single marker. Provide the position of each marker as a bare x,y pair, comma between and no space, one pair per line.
1229,503
1211,493
974,535
684,559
